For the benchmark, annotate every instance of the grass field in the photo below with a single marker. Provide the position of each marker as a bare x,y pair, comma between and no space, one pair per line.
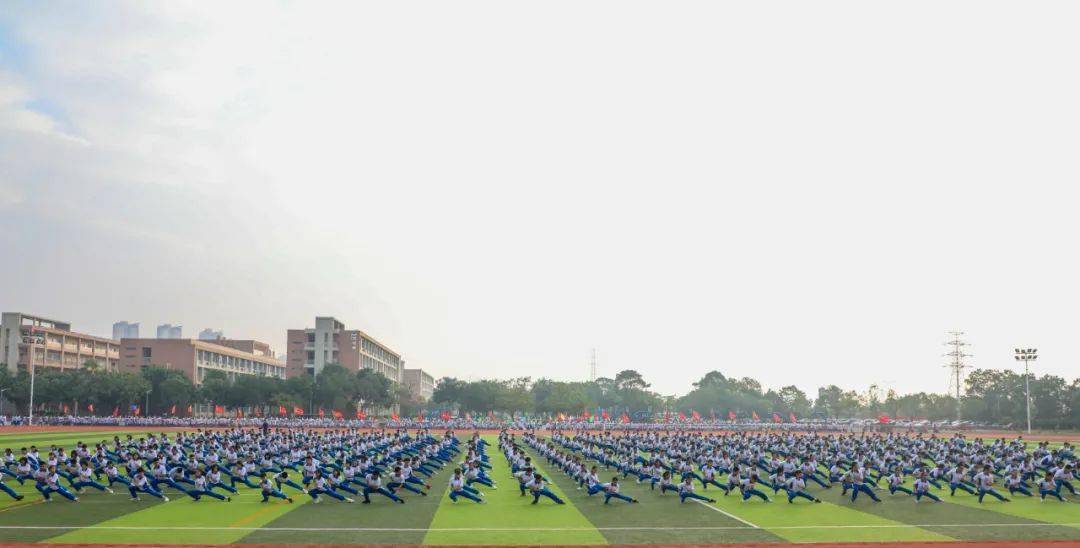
510,519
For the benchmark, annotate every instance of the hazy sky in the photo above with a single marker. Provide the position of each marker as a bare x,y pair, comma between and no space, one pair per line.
804,192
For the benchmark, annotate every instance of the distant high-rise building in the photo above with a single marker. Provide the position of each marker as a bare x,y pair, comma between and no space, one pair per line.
169,331
309,350
125,330
210,334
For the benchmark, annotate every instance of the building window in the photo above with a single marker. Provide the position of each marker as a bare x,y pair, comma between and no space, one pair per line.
147,352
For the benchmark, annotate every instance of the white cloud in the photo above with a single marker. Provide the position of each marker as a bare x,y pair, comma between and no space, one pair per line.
804,193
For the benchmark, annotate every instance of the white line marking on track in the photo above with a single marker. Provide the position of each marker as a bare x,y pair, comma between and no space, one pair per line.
728,514
511,529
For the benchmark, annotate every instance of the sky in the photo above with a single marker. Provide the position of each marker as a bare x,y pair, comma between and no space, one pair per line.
808,193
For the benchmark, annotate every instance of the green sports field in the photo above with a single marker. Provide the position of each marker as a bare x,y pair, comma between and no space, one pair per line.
508,518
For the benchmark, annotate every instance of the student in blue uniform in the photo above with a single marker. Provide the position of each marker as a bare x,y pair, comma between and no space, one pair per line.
11,492
201,488
922,489
373,485
459,489
85,479
1016,484
895,479
858,484
50,483
140,484
748,488
322,486
269,490
1063,476
1047,486
686,490
538,489
796,488
984,482
957,481
611,490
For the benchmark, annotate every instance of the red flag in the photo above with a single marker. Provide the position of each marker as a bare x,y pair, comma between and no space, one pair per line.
219,410
625,419
883,419
90,408
116,412
776,417
190,408
754,415
281,410
445,415
137,410
360,414
321,413
173,410
297,410
239,413
792,417
338,415
682,416
393,416
731,415
695,415
604,414
65,409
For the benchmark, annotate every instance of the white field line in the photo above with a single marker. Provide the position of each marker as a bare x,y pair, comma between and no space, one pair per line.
728,514
512,529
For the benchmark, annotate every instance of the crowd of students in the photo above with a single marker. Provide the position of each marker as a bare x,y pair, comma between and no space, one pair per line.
752,464
342,464
338,464
433,422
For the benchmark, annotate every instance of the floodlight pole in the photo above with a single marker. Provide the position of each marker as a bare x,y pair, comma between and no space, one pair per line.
1026,355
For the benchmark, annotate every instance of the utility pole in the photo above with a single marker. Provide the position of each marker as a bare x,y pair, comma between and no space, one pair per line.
957,365
592,368
1027,355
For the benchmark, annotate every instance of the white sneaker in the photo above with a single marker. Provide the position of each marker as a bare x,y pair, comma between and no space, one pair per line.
347,499
110,491
164,498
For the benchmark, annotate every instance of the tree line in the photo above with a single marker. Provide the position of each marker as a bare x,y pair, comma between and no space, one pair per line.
991,396
155,390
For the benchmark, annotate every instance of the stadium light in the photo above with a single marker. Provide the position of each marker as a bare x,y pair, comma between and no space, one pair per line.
1027,355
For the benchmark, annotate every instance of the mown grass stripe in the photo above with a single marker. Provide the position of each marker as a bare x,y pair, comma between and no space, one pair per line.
181,509
653,516
524,529
1050,512
902,508
16,518
505,507
381,522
